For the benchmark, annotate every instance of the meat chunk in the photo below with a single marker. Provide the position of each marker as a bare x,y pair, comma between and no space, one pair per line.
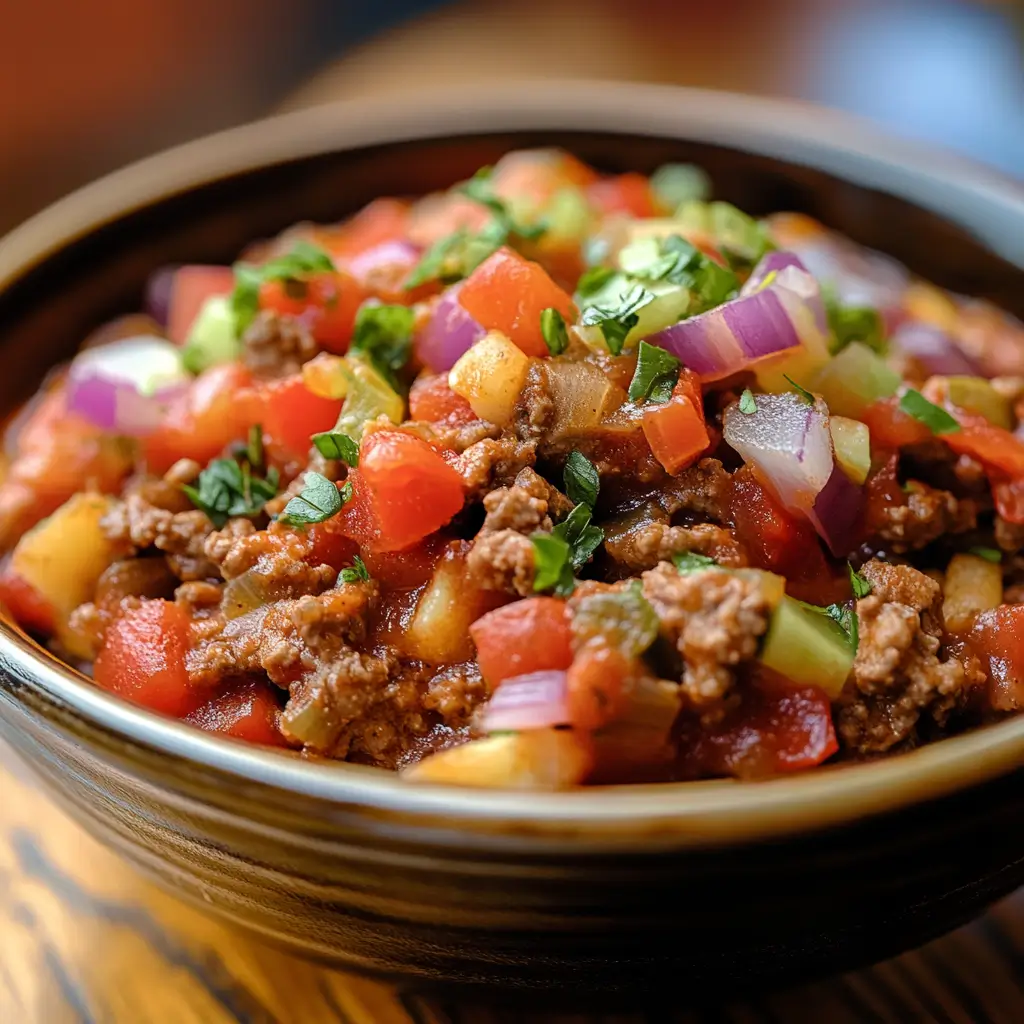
900,672
274,345
654,542
926,516
494,463
1009,536
713,619
703,491
502,561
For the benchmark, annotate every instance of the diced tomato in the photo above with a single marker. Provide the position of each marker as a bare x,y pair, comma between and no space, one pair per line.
357,519
777,728
248,711
624,193
1009,499
508,293
998,638
216,410
993,446
596,686
536,175
778,541
327,302
329,547
528,636
190,289
408,569
891,427
383,220
143,659
30,609
676,430
290,413
433,401
436,216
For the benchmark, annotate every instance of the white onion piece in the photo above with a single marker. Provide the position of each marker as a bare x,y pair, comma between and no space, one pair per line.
789,442
536,700
126,387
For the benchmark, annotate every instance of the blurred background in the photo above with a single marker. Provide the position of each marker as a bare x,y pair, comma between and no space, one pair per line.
87,87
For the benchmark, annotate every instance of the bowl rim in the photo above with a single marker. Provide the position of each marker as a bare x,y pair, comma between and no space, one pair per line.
977,198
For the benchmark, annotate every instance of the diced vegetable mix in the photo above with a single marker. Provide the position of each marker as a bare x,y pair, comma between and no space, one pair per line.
553,478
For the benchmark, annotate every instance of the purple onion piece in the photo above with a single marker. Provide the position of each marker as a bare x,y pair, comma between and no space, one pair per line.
158,294
836,511
935,350
536,700
449,333
396,251
771,263
760,324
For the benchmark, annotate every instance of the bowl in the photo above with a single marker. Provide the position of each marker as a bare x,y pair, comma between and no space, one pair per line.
692,888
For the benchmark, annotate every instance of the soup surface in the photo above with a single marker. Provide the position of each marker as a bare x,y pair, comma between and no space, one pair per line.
553,478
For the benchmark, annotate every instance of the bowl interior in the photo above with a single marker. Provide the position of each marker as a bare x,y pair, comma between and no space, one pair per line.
87,260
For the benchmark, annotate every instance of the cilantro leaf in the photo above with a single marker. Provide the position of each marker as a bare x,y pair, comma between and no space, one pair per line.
671,259
582,481
225,489
861,587
552,564
319,500
384,335
690,561
582,536
304,259
747,404
457,255
656,374
593,280
618,319
989,554
479,189
712,285
847,620
741,238
552,328
935,418
333,444
356,572
801,391
853,323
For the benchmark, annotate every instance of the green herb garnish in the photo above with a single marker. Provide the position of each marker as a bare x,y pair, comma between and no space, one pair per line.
582,481
656,375
582,536
853,323
552,328
935,418
226,488
384,335
747,404
479,189
801,391
593,280
552,559
847,621
617,319
333,444
861,586
356,572
989,554
690,561
319,500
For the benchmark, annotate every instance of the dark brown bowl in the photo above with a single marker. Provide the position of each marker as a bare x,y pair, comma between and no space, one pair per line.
696,888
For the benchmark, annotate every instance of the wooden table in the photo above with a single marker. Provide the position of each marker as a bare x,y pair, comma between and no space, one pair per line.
86,940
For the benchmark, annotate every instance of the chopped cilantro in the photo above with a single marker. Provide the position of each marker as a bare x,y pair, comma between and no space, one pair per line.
552,559
935,418
384,335
333,444
581,478
582,536
616,320
853,323
690,561
319,500
479,189
801,391
593,280
227,488
747,404
989,554
742,239
656,374
847,620
861,587
713,285
303,259
356,572
552,328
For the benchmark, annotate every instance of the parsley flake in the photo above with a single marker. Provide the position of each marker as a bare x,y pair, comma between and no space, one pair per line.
616,320
356,572
801,391
861,587
582,536
226,488
333,444
690,561
593,280
846,618
319,500
935,418
552,328
747,404
989,554
656,375
552,559
383,333
582,481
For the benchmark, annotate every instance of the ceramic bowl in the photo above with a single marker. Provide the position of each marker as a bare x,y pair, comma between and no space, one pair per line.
693,888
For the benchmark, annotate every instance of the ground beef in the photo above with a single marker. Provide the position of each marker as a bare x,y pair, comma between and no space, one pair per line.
276,345
703,490
502,561
654,542
900,672
491,463
535,410
713,619
926,516
1009,536
934,463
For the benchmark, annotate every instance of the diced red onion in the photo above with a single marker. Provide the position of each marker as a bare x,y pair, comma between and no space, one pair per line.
395,252
789,442
158,294
126,386
536,700
739,333
935,350
797,288
771,263
449,333
836,511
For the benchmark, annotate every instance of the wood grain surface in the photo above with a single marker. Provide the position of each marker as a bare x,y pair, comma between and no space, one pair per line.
85,940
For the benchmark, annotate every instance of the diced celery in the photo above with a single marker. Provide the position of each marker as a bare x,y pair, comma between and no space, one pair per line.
807,647
369,396
668,305
852,442
213,338
624,618
854,379
975,394
736,233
